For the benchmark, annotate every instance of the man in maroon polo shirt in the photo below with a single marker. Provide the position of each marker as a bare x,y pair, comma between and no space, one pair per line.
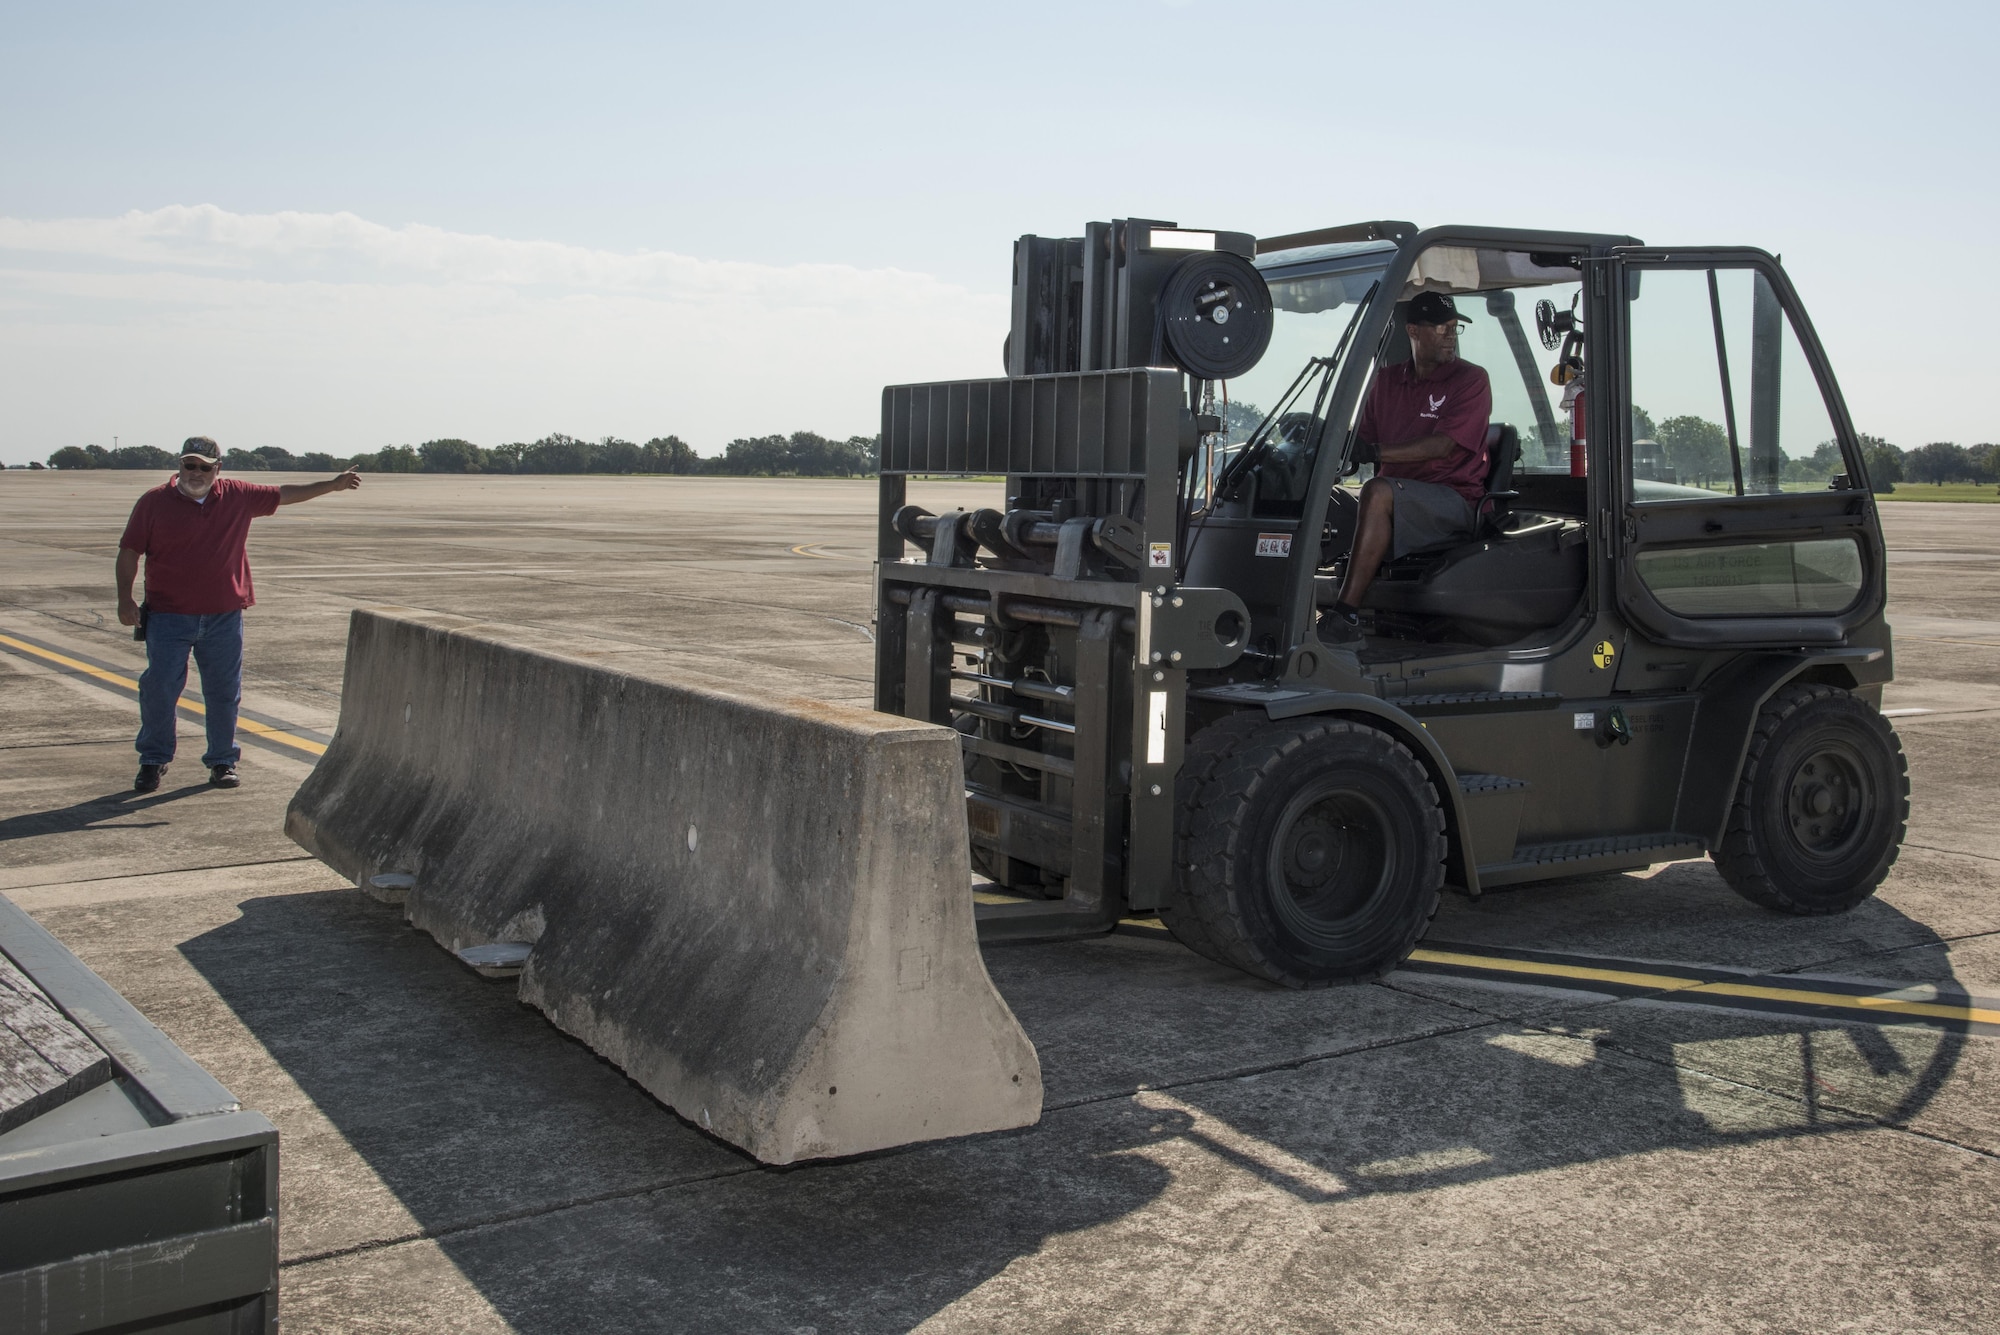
1424,429
192,533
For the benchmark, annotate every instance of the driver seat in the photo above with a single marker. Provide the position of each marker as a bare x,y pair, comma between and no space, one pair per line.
1503,451
1496,584
1489,516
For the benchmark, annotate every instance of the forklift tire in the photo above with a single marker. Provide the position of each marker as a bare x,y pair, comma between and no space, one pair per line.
1310,851
1822,805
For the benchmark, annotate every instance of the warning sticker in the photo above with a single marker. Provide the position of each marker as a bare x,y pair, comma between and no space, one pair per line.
1583,722
1160,555
1274,544
1604,655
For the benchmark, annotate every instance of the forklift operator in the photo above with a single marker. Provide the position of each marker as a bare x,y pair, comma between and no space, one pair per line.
1424,429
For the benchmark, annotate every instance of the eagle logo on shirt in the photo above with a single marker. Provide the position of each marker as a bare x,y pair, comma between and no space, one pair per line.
1437,402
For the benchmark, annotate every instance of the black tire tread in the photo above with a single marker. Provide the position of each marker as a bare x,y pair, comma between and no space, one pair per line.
1741,861
1223,766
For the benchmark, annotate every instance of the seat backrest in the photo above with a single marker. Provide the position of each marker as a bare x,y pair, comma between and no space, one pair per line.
1503,451
1396,342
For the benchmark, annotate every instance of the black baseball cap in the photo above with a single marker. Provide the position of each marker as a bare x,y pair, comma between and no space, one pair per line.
201,447
1433,308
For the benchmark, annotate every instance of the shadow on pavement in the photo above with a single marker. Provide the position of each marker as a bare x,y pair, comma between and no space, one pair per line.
96,813
489,1128
471,1109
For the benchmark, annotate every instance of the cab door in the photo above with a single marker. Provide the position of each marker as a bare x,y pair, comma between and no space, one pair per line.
1745,504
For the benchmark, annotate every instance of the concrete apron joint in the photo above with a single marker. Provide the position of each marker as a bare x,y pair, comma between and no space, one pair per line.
1288,1064
170,871
516,1216
1951,852
1861,1118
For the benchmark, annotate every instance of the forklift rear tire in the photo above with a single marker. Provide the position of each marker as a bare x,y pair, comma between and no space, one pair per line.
1822,805
1310,851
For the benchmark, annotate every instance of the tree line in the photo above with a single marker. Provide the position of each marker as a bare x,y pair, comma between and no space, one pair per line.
1695,448
1698,451
801,454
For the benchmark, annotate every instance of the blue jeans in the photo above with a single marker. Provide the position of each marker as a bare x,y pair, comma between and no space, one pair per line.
217,642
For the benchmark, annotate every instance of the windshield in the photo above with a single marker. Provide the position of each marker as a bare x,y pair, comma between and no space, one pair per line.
1315,295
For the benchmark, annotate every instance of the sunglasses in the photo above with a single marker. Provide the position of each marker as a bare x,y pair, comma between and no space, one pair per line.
193,467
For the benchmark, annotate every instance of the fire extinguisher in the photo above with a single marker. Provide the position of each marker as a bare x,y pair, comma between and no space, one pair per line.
1568,372
1579,451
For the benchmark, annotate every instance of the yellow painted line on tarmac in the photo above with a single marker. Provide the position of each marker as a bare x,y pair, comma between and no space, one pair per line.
1690,987
264,730
1672,987
268,733
1928,1010
812,549
1573,972
88,669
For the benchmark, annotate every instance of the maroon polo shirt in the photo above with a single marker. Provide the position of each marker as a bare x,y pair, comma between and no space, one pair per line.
1456,401
196,562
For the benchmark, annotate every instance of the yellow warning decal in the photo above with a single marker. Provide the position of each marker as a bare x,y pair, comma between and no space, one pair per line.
1603,654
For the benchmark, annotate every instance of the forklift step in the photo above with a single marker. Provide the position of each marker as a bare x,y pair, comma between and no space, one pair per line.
1492,804
1022,922
1476,702
1471,784
1579,857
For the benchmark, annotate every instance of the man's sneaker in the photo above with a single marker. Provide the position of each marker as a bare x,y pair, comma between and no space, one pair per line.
1339,630
223,776
149,778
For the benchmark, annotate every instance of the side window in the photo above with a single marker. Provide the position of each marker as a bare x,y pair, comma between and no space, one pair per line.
1725,405
1724,402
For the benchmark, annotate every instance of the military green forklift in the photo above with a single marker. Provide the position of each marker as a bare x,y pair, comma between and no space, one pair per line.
1661,641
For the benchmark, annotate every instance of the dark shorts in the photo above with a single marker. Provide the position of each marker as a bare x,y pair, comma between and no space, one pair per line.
1428,514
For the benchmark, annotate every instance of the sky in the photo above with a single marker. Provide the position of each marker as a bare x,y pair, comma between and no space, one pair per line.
336,227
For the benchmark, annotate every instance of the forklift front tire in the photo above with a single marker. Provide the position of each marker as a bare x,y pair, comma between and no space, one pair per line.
1822,805
1311,851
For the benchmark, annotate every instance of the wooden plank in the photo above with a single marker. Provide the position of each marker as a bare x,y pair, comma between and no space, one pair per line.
45,1059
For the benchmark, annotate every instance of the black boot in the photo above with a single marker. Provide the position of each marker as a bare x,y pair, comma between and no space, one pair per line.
1341,626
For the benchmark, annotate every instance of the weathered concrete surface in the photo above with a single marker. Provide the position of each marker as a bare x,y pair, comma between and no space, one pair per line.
1474,1158
753,904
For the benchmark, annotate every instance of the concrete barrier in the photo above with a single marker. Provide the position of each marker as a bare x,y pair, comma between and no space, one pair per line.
757,906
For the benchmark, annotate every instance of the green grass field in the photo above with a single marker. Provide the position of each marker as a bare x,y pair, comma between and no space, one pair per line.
1983,492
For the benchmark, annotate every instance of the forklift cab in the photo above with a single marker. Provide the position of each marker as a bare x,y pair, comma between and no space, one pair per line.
1650,400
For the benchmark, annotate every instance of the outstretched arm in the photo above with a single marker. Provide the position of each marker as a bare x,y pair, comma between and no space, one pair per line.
128,570
292,493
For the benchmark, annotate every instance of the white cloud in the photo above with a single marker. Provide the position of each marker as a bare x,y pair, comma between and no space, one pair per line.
328,331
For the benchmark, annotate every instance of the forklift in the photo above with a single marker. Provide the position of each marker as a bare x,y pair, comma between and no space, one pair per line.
1648,647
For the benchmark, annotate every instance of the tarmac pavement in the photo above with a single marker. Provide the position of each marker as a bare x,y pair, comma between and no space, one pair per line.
1444,1151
